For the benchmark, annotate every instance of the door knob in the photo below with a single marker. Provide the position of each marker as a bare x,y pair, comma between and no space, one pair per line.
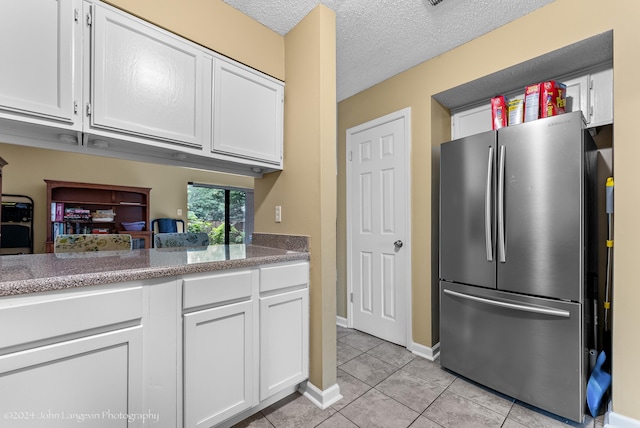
398,244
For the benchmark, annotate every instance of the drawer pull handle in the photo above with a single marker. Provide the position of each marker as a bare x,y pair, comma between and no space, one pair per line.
534,309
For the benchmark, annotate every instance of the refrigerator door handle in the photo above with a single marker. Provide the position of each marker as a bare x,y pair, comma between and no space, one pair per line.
487,208
502,255
515,306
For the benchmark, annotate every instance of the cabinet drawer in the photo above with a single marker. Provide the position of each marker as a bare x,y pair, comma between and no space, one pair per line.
28,319
283,276
209,290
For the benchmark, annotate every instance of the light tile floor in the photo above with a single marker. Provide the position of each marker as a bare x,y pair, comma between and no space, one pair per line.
384,385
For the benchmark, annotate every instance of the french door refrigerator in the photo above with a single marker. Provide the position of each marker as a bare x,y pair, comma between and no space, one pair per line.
517,250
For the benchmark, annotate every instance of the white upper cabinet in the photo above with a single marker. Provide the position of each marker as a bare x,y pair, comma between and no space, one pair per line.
248,113
601,96
591,91
470,121
577,95
145,81
84,76
40,48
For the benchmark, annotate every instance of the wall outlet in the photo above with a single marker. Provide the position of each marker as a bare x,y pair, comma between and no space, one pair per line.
278,214
179,211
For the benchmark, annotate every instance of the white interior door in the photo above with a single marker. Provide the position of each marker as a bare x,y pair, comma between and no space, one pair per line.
378,227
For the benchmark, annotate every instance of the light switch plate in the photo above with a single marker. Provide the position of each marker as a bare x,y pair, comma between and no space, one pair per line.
278,214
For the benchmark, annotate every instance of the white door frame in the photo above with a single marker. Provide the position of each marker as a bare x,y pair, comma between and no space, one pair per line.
400,114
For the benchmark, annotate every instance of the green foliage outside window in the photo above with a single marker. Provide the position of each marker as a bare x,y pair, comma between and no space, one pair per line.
207,213
235,236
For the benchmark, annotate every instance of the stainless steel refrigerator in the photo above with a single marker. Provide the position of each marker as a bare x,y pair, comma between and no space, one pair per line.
517,253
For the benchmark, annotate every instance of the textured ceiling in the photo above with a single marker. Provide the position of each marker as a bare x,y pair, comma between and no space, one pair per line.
377,39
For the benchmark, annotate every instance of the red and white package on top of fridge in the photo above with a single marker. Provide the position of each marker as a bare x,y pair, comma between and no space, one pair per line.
552,98
499,112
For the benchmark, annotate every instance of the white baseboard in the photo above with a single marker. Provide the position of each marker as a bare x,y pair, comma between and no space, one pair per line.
342,322
322,399
616,420
426,352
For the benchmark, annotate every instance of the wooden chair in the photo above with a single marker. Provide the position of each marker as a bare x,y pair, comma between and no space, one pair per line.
92,242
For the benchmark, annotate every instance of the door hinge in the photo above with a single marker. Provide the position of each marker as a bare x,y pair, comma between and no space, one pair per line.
350,156
351,297
88,109
75,107
76,15
89,17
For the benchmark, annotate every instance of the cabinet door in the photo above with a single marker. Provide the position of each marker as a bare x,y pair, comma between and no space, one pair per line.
95,379
284,341
248,111
471,121
602,97
40,46
577,96
145,81
218,369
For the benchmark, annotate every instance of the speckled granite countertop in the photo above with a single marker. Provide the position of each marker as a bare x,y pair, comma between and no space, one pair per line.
32,273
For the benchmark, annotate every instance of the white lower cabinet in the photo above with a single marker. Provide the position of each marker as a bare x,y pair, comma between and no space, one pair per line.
72,357
218,363
246,339
284,341
194,351
284,327
95,379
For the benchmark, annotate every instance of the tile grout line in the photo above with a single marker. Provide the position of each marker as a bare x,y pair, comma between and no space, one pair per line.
398,368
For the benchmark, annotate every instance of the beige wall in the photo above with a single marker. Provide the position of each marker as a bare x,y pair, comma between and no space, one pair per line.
217,26
306,189
28,167
533,35
626,293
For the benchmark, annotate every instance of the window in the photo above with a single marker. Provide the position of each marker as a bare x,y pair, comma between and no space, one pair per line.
223,213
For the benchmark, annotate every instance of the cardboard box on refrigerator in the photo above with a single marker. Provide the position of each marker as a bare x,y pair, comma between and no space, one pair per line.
552,98
532,102
516,111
